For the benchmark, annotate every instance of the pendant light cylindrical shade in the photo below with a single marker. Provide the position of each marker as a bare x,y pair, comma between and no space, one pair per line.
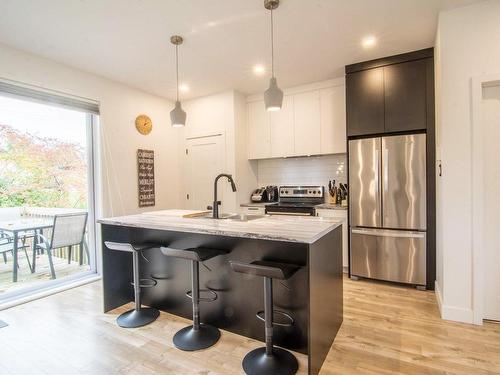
273,96
177,115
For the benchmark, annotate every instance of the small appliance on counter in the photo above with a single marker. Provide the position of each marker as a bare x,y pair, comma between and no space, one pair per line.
297,200
265,194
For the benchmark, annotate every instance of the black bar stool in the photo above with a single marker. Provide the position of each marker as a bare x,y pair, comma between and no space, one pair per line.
139,316
197,336
269,360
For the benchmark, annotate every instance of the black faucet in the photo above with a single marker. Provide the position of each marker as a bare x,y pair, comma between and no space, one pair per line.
215,206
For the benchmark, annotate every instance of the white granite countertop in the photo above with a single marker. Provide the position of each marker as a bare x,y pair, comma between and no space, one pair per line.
305,229
330,206
255,204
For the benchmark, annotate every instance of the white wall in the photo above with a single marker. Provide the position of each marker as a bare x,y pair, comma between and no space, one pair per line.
119,106
313,170
224,113
467,46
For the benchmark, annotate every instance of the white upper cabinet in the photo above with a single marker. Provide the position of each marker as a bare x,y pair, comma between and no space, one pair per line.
307,123
282,139
312,121
258,131
333,121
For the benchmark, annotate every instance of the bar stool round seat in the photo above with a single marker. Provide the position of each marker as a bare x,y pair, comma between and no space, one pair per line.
269,360
197,336
139,316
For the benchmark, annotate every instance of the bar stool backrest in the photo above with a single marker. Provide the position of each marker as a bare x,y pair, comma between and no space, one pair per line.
68,229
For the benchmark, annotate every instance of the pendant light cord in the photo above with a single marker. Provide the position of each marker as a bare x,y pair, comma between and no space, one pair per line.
177,68
272,44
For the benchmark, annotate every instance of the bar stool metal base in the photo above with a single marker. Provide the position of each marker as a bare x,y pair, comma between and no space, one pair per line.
281,362
137,318
189,340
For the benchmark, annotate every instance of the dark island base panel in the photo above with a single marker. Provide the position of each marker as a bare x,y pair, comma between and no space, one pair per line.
312,296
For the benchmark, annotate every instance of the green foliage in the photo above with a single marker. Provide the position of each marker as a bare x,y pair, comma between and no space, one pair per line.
40,172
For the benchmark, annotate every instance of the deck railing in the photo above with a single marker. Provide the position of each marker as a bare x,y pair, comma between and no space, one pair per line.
14,213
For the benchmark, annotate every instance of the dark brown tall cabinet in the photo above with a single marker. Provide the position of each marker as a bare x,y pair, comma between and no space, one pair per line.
395,95
365,102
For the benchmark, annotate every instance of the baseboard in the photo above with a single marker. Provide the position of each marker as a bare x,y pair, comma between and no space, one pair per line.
439,298
453,313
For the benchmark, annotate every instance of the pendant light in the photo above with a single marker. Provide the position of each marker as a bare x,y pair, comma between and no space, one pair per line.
273,96
177,115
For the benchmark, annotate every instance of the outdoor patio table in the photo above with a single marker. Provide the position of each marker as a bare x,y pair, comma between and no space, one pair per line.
23,225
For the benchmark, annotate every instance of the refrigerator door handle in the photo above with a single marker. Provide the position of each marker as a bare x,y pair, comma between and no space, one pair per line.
385,168
389,233
377,184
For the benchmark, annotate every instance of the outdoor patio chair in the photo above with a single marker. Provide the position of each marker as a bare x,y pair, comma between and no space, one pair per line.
6,246
68,230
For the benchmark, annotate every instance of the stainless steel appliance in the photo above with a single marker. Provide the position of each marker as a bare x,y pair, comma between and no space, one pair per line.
297,200
387,207
265,194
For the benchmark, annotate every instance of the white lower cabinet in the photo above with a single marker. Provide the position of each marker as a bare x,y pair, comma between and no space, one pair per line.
253,210
342,216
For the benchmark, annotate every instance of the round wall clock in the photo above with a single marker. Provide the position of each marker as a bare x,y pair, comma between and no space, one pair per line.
143,124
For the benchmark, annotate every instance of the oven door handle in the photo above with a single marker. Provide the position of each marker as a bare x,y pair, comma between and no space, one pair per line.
288,213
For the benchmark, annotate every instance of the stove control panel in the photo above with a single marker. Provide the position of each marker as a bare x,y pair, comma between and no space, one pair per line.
301,192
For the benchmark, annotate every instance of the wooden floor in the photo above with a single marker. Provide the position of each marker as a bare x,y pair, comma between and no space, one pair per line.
387,330
27,279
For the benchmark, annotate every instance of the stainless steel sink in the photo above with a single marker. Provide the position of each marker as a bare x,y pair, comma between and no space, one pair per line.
244,217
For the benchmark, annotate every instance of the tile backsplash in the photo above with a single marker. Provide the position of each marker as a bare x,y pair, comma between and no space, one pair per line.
311,170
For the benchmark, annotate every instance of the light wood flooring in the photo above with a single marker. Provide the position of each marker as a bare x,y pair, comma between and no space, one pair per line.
387,330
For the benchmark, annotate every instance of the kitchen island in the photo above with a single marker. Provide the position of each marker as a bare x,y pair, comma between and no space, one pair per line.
312,296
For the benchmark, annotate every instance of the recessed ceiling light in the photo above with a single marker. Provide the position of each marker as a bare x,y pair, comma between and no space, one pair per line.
369,41
184,87
259,69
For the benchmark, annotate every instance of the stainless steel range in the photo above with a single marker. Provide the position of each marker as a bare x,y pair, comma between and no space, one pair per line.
297,200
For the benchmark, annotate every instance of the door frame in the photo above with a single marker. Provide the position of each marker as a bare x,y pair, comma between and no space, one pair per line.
478,254
223,159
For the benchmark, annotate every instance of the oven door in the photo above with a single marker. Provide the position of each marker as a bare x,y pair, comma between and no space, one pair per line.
289,210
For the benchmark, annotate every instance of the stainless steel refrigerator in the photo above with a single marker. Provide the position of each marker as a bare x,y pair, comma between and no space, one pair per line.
387,207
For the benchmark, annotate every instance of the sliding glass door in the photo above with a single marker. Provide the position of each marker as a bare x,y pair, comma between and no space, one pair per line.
47,194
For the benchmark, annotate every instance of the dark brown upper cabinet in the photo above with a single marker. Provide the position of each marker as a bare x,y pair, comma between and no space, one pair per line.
365,102
390,95
405,96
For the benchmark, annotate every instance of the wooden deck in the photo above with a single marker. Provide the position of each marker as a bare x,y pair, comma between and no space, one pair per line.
387,330
27,279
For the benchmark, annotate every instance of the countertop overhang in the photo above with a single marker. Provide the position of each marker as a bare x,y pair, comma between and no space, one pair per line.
304,229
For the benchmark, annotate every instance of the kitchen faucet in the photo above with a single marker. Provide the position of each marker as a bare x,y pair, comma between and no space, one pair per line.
215,206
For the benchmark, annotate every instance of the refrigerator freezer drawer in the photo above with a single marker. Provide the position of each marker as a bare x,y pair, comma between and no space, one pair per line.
389,255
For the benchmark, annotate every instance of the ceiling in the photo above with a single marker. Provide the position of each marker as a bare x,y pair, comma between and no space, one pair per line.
128,40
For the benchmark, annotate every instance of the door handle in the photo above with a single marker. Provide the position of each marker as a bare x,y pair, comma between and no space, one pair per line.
385,168
385,233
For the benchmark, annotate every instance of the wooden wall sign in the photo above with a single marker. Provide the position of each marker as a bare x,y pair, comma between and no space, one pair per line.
146,177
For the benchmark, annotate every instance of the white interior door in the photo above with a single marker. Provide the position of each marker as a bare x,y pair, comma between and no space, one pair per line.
490,113
205,160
